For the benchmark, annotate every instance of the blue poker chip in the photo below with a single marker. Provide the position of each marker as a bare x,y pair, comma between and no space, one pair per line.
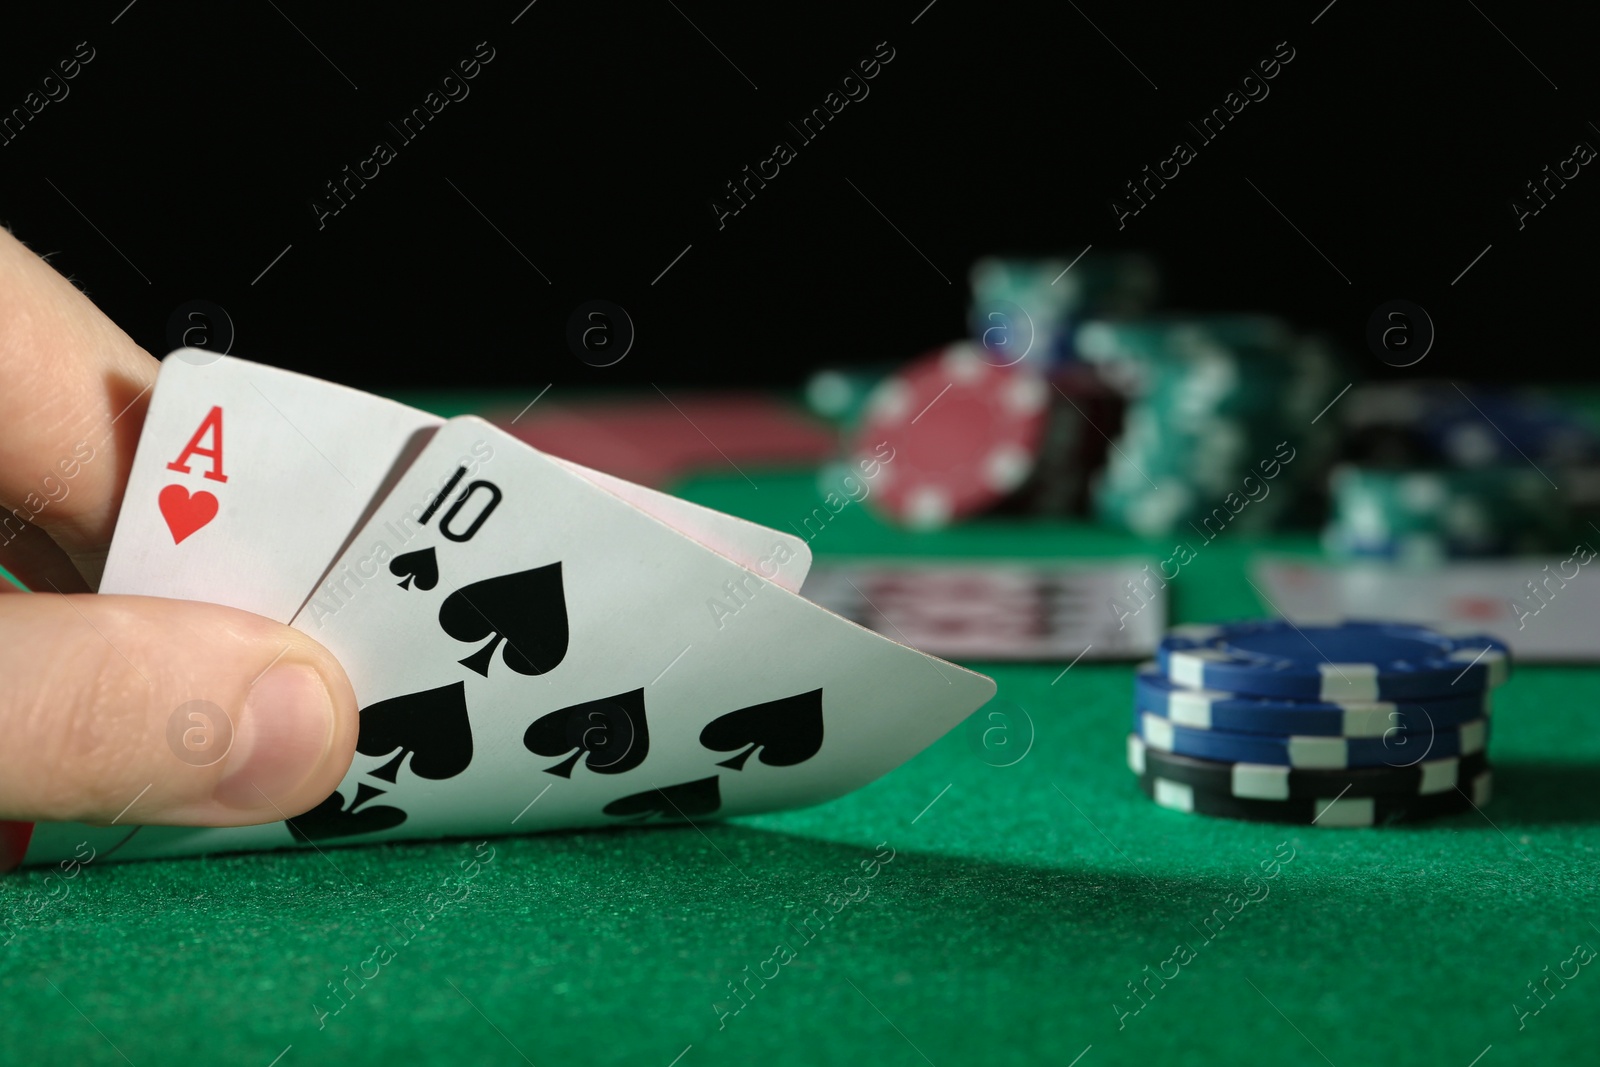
1338,661
1492,427
1206,709
1311,753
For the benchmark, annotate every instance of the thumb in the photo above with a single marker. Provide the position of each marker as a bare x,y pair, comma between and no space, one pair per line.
144,710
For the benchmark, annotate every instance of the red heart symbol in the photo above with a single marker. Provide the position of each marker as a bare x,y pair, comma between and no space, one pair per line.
184,513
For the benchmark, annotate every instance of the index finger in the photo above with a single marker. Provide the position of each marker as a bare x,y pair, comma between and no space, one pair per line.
73,392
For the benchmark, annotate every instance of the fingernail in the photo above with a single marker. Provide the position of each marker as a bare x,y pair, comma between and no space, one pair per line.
286,730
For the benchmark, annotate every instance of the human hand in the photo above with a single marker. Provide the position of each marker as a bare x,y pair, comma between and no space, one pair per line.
91,686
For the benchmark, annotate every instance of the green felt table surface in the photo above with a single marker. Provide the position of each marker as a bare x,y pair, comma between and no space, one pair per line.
1020,904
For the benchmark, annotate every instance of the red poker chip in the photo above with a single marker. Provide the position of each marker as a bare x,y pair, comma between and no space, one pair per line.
14,838
965,433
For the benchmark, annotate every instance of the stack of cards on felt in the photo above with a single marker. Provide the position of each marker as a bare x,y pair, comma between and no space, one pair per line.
535,646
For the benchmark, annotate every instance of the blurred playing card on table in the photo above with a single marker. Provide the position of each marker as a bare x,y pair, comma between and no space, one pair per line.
1012,610
1546,607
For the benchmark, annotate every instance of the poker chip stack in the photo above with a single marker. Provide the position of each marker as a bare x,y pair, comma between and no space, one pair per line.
1347,724
1433,472
970,435
1010,421
1423,515
1030,309
1086,416
1224,427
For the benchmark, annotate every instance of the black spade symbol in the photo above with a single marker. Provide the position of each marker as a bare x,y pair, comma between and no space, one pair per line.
787,731
685,801
432,724
527,610
612,731
332,819
421,567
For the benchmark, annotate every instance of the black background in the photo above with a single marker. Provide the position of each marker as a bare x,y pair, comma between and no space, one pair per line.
197,138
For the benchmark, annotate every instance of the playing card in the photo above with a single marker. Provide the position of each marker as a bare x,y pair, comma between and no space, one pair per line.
1547,608
782,558
248,479
575,662
1005,610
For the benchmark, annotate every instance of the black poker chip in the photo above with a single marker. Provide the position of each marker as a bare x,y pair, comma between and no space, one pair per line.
1332,811
1259,781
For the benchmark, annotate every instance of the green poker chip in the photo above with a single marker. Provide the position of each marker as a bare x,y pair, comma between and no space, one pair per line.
840,395
1030,308
1223,425
1425,515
